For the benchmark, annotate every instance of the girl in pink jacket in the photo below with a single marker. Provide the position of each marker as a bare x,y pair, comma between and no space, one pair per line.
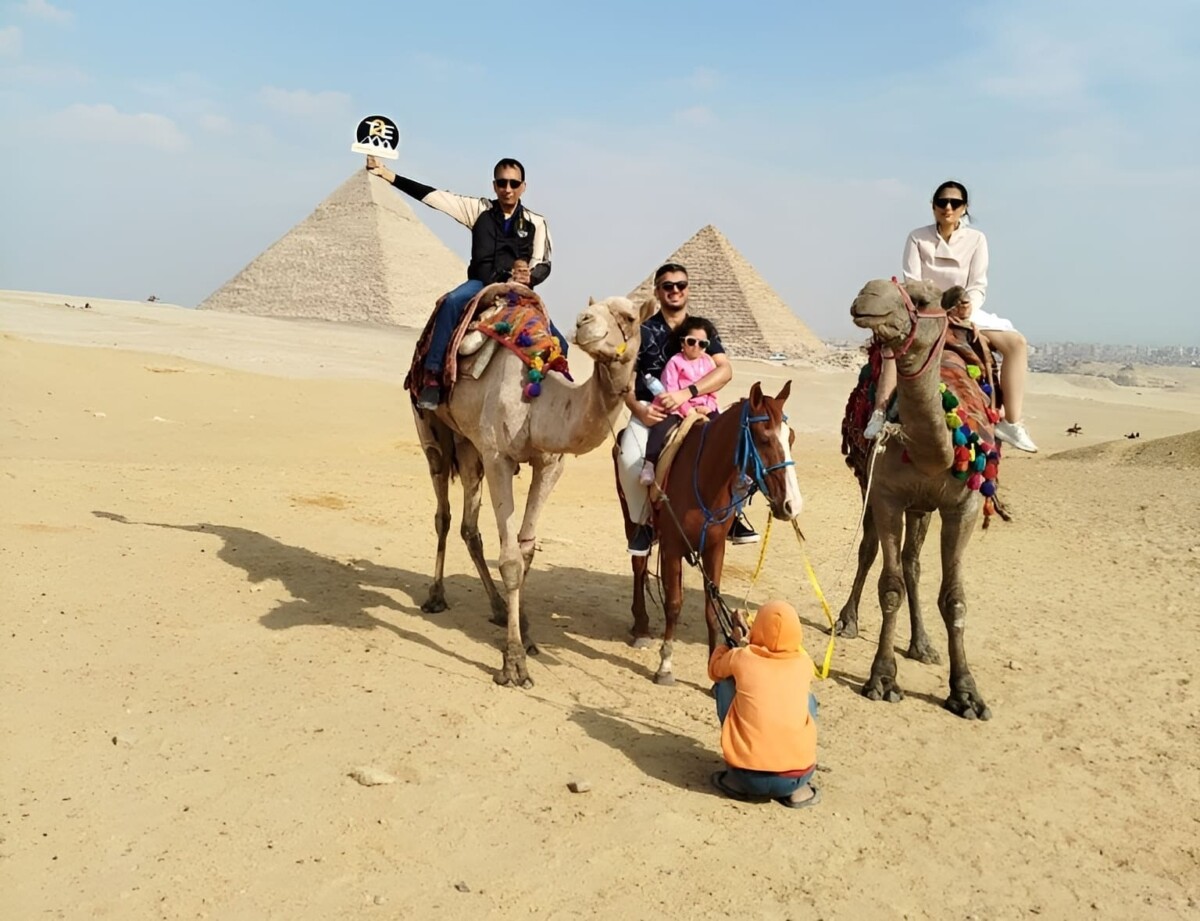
688,366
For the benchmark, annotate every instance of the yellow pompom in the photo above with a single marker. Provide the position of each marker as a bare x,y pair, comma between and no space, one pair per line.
942,387
952,420
974,372
621,349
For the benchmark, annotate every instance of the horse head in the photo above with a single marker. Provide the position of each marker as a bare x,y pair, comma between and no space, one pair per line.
770,463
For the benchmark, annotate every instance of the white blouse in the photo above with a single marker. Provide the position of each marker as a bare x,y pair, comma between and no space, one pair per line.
961,260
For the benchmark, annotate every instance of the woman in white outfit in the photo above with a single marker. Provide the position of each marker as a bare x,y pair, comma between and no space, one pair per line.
949,253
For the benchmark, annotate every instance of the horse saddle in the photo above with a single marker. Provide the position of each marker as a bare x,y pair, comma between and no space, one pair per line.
662,469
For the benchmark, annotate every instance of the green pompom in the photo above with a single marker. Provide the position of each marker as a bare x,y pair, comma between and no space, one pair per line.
535,375
503,327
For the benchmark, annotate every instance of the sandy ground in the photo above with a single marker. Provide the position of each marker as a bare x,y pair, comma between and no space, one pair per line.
211,588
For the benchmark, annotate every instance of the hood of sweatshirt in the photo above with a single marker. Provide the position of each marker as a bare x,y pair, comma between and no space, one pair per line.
777,631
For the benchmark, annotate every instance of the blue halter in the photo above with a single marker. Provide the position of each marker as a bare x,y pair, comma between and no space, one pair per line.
749,464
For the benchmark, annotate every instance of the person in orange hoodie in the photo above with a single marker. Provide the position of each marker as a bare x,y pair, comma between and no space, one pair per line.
768,712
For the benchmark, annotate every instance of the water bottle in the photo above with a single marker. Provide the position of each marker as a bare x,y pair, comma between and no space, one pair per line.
653,384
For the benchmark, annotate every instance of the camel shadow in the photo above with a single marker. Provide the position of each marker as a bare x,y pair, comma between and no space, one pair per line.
855,683
656,750
329,592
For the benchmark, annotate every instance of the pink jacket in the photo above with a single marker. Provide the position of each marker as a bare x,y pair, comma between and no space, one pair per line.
680,372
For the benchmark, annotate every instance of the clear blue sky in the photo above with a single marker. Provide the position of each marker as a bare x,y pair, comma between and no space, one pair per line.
158,147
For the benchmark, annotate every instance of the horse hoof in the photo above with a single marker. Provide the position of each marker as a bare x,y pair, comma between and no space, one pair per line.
434,606
666,679
641,642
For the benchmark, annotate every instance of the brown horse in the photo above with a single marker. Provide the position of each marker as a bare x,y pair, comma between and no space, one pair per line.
751,439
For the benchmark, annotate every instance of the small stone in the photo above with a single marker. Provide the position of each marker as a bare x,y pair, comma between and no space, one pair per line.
372,776
122,739
579,786
1015,665
379,900
462,887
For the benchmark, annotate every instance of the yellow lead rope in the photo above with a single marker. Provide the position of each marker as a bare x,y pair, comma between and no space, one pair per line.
821,672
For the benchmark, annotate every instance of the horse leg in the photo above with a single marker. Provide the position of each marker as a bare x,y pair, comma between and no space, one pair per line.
546,471
916,526
868,548
964,699
499,472
672,581
882,684
714,563
470,471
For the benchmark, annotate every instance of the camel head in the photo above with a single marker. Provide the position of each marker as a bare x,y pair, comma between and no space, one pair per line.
773,439
609,330
880,307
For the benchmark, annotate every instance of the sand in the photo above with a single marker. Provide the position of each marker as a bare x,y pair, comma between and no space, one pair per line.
215,540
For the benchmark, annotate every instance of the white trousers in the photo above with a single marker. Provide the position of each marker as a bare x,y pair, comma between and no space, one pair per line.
629,463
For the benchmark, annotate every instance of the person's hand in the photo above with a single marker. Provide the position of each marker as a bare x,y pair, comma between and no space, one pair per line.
649,415
962,310
741,629
673,399
376,168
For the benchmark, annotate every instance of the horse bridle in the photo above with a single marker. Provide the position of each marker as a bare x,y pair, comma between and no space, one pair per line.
914,315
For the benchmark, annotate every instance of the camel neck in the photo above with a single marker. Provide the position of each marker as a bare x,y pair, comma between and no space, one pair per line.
588,411
927,438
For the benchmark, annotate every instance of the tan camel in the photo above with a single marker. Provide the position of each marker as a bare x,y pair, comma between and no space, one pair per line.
487,429
915,487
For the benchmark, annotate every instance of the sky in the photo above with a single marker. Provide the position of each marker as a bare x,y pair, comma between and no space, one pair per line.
151,147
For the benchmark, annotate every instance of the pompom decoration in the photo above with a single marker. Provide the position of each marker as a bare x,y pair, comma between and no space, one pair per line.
993,416
974,372
535,375
959,437
990,470
974,481
952,420
532,389
524,341
985,387
949,401
502,327
988,488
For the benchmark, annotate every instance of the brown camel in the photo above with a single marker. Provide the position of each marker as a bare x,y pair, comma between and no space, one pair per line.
487,429
909,490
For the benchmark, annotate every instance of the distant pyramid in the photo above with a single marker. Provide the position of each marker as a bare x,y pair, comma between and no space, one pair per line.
362,256
752,319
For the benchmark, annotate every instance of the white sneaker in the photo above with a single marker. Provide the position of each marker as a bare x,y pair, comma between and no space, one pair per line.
646,477
874,425
1014,434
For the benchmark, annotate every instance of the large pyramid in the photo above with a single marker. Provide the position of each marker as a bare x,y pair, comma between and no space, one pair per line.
361,256
753,320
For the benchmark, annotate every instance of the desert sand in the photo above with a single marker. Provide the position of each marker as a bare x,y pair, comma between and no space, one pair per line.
216,535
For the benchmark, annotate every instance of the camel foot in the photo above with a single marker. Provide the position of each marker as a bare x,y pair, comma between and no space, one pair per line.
846,627
968,704
435,603
923,651
883,689
514,673
666,679
641,642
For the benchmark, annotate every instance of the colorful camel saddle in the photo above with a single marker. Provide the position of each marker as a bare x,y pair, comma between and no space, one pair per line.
969,396
509,314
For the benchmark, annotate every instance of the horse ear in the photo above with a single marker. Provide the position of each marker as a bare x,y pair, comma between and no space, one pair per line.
783,394
756,394
591,301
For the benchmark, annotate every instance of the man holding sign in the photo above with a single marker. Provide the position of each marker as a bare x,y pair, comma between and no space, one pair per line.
503,231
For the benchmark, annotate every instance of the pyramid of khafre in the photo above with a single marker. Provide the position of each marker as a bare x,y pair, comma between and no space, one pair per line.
361,256
752,319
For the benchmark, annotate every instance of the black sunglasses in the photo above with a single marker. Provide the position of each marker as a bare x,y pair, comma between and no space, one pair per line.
692,340
954,203
673,285
509,183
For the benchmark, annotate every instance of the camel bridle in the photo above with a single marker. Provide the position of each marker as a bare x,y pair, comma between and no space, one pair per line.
914,316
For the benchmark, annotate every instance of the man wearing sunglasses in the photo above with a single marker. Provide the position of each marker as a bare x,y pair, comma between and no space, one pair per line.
502,231
659,344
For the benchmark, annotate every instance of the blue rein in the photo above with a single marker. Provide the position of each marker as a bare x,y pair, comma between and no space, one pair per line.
749,464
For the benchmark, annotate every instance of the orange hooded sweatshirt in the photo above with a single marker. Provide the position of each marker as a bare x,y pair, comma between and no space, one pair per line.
768,727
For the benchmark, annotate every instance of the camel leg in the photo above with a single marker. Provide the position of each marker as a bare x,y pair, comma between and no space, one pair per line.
964,699
916,526
470,472
500,472
882,683
672,582
868,548
439,472
546,472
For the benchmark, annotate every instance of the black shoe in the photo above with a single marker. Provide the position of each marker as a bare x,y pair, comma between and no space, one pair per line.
642,541
742,533
431,395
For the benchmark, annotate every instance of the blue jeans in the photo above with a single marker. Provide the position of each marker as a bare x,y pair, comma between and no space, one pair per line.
760,783
448,317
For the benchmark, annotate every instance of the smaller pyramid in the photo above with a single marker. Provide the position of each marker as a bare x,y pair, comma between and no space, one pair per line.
751,317
361,256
